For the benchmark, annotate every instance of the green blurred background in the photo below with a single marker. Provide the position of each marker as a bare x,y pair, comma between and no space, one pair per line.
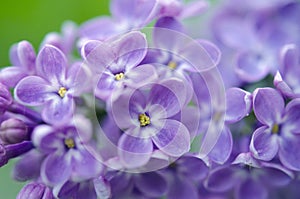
31,20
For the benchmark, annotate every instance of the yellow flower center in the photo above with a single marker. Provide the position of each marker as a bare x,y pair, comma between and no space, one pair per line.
69,142
144,120
119,76
172,65
62,91
275,128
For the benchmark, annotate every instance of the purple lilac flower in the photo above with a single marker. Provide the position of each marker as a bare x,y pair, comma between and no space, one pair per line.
280,128
287,78
248,178
54,87
175,50
23,58
35,190
147,122
68,150
127,15
117,63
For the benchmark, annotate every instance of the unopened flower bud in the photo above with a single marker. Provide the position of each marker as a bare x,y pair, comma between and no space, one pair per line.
13,131
10,151
35,190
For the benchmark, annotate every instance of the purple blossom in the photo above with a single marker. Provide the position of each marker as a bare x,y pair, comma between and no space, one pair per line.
248,178
147,122
68,153
54,87
117,63
279,131
23,58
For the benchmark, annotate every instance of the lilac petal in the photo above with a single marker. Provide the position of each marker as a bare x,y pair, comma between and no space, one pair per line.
141,75
85,167
251,67
55,169
126,107
86,190
13,55
78,79
212,50
252,189
105,86
282,86
151,184
51,64
93,29
58,110
44,138
193,9
28,167
88,47
276,175
239,104
182,188
173,139
130,50
66,190
100,57
221,179
290,60
192,168
102,188
234,31
134,152
268,105
190,117
26,55
289,152
33,91
169,94
264,145
292,117
138,10
192,51
165,34
10,76
223,148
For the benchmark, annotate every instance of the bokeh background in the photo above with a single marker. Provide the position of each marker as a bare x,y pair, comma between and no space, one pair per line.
31,20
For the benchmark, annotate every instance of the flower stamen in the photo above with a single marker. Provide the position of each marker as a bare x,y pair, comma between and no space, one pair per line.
172,65
144,120
62,91
69,142
275,129
119,76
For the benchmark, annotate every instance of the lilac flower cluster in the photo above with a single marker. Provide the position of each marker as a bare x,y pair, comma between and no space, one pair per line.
131,106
